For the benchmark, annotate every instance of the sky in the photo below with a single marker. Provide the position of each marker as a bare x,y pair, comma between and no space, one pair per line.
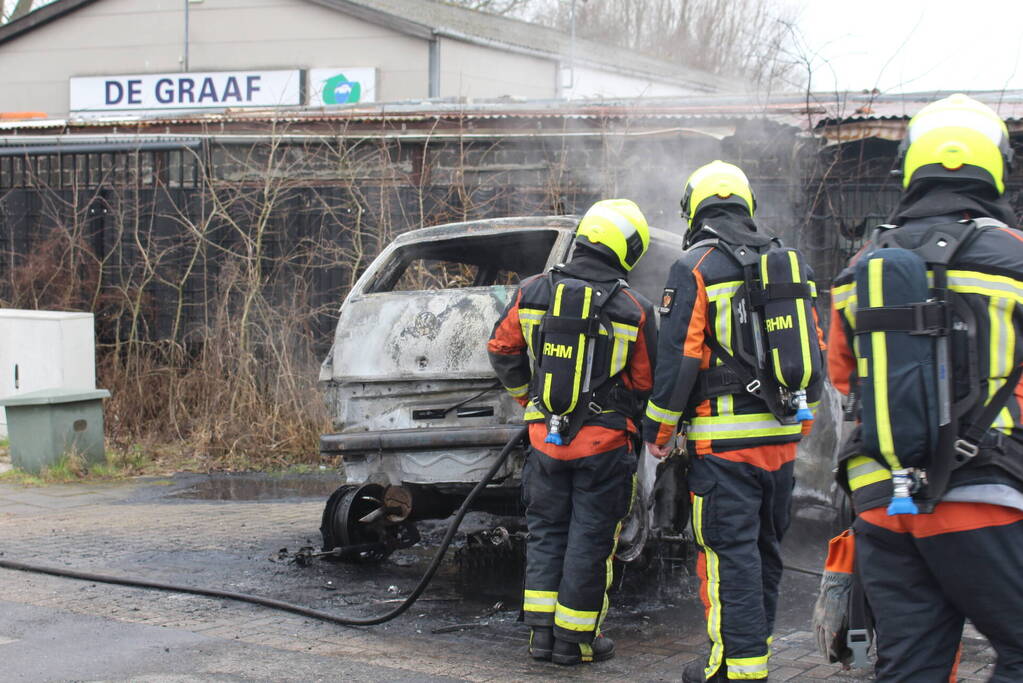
913,45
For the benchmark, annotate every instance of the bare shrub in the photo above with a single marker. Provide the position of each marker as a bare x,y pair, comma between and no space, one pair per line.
215,275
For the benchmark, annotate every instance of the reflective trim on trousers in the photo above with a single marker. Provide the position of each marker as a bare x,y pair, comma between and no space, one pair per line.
575,620
747,668
539,601
713,586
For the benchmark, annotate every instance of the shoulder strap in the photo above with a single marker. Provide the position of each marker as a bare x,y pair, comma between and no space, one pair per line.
968,443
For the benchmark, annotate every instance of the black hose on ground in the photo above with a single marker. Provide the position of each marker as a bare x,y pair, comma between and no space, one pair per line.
287,606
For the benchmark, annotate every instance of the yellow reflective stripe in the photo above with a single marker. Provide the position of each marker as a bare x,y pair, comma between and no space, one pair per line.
662,415
529,318
717,648
973,282
518,391
623,334
532,412
580,353
721,432
747,668
1002,350
739,427
842,295
630,332
879,356
723,325
723,290
813,288
862,471
804,338
575,620
850,311
539,601
763,268
548,378
843,298
609,563
726,405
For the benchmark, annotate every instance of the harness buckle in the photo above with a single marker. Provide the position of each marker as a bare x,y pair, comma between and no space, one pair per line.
753,387
857,641
930,318
966,449
595,409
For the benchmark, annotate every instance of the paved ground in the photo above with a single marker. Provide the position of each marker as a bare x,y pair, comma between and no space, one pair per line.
464,629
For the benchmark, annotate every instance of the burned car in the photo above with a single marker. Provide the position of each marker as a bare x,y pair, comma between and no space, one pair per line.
417,412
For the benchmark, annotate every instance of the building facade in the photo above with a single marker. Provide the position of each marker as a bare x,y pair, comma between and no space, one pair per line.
89,58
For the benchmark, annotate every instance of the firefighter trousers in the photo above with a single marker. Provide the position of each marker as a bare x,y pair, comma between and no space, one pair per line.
740,514
924,574
574,510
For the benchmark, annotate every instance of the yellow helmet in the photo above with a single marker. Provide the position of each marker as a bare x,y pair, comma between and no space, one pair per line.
957,137
716,183
617,228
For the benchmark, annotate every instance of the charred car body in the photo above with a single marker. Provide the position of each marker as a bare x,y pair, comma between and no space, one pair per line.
418,414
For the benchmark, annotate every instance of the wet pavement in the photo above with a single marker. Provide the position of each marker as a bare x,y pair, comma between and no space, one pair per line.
227,532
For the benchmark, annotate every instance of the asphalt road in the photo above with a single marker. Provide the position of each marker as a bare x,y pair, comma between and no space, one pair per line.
226,532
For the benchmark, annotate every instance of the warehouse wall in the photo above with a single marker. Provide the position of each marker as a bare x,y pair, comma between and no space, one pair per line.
146,36
476,71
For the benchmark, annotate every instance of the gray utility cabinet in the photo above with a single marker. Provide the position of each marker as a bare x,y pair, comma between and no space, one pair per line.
45,425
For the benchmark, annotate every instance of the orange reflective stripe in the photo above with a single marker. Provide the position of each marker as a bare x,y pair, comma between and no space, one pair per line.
947,518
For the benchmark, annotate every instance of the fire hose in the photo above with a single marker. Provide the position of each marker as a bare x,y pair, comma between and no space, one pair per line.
287,606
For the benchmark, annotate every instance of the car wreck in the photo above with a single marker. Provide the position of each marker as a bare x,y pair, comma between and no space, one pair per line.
418,415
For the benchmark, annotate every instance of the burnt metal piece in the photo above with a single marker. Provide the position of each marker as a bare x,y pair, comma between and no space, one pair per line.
418,439
366,523
493,554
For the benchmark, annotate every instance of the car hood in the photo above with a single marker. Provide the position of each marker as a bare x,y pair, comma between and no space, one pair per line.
417,335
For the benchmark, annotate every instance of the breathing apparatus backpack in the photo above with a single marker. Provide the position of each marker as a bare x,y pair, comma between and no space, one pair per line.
571,373
910,329
777,355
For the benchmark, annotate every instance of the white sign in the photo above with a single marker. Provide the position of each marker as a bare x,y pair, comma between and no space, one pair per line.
343,85
219,90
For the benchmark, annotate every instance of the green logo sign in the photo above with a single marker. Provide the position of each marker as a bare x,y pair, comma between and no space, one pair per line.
340,90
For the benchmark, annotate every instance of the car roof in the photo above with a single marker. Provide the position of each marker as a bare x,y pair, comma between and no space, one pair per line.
463,228
486,224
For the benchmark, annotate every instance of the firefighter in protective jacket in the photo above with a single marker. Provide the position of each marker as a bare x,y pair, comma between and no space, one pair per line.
734,285
576,349
939,527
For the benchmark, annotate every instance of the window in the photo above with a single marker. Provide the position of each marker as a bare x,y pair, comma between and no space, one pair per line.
466,261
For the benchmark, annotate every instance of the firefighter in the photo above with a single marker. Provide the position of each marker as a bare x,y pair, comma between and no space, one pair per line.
582,376
740,439
939,527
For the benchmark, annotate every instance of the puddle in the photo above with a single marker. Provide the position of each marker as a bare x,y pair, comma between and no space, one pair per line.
256,486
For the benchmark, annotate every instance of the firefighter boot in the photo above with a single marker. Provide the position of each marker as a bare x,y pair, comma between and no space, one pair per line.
541,642
567,653
694,673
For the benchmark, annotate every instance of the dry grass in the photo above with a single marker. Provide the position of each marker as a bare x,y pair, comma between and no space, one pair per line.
210,305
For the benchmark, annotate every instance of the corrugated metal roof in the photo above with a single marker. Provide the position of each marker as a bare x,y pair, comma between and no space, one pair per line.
870,115
847,116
